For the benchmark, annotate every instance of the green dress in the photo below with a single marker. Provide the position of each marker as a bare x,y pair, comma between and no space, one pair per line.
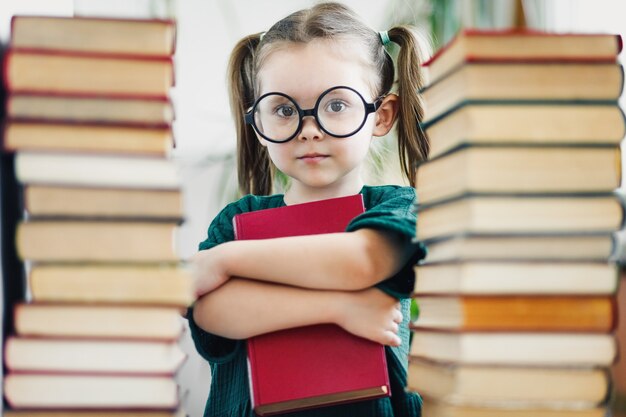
389,208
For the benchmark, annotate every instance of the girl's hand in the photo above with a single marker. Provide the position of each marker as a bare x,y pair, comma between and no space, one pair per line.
373,315
208,270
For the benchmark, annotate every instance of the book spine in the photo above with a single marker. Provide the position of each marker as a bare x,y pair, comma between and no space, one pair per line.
104,57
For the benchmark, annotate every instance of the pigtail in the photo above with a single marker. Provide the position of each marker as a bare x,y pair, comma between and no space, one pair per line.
254,171
413,144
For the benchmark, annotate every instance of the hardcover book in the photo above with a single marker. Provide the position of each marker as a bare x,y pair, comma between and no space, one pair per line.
521,214
488,169
90,109
315,365
126,322
513,123
569,247
516,348
534,387
81,34
522,45
88,138
517,313
523,81
30,71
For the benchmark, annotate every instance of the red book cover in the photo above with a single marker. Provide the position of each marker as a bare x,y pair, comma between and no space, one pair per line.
315,365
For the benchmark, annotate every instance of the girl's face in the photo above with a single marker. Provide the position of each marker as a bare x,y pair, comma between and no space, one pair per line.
313,159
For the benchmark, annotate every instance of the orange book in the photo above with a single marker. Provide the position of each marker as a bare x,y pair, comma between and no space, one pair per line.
517,313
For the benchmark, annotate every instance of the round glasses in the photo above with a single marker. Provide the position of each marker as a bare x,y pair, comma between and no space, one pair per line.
339,111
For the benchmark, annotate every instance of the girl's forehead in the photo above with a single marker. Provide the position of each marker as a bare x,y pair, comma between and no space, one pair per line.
303,71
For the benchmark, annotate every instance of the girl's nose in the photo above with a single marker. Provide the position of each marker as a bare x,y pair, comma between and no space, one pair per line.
310,129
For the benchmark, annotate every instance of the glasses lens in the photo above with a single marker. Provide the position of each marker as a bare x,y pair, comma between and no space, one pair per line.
276,117
341,111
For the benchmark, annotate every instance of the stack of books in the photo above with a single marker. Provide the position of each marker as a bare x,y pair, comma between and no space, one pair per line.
89,122
517,207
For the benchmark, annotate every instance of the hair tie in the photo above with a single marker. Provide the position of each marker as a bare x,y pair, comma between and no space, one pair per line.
261,36
384,37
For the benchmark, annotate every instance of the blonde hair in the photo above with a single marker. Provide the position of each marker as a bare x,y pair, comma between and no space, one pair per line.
327,21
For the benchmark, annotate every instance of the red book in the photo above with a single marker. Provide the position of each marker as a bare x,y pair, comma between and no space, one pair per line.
315,365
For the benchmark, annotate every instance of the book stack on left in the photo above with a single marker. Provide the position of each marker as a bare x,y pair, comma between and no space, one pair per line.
517,207
89,121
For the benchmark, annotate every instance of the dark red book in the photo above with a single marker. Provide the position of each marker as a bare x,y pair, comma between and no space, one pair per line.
318,365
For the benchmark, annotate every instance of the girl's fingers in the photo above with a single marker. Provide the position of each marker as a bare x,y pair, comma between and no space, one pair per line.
391,339
397,316
394,327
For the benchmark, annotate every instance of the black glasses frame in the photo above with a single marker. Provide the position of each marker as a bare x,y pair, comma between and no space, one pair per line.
369,108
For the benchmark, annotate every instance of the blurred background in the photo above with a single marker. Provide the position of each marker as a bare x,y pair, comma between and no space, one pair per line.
205,136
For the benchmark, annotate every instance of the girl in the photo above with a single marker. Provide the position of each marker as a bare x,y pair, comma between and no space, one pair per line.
309,96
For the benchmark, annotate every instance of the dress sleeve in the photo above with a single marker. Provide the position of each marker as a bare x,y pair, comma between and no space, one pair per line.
393,211
214,348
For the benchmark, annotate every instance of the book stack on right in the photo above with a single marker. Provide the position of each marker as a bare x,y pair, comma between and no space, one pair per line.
517,207
89,124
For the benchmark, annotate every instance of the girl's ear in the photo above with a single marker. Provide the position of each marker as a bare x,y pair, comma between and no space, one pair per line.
386,115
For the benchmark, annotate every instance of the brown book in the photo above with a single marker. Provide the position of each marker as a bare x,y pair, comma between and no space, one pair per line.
519,169
517,313
160,284
522,46
93,321
95,109
52,201
85,392
29,71
515,387
521,214
76,356
580,247
151,37
97,241
516,277
527,123
433,408
87,138
516,348
523,81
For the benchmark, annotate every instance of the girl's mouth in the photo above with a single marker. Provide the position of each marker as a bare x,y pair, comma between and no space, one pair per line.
313,157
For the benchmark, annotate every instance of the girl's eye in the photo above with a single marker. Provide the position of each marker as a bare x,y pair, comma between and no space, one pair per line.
336,106
285,111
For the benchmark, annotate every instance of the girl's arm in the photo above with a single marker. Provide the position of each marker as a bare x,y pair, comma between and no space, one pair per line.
265,307
336,261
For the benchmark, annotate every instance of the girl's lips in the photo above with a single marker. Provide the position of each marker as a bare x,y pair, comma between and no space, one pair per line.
313,157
